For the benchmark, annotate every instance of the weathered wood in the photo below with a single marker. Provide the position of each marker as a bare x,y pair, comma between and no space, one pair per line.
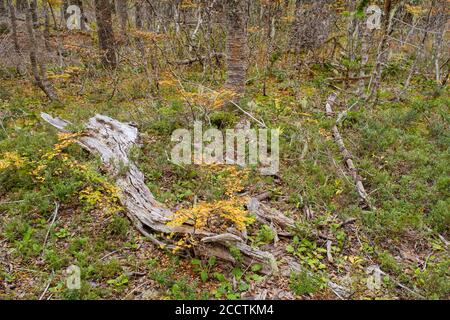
112,141
348,158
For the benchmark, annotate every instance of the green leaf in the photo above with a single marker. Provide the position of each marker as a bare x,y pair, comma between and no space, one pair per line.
256,267
204,275
232,296
290,248
196,262
257,277
211,261
220,276
244,286
237,273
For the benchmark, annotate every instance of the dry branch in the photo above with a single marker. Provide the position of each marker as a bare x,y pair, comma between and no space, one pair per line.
348,158
201,59
112,141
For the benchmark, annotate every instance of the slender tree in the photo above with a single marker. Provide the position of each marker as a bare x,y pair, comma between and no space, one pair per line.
386,29
34,14
12,14
21,5
2,7
37,66
138,17
105,32
236,45
46,25
122,13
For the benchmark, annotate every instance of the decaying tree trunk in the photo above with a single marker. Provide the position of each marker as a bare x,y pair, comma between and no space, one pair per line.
236,46
112,141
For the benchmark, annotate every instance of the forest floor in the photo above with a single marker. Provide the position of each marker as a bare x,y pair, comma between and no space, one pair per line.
57,208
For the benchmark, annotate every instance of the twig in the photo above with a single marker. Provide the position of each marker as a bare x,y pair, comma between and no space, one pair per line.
403,286
343,114
260,122
329,256
55,213
46,288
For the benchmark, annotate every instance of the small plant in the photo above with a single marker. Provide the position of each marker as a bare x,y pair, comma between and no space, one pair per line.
241,282
264,235
119,226
62,233
309,253
204,269
303,283
121,280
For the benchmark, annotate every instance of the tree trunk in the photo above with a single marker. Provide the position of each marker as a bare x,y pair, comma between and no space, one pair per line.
46,26
64,15
122,13
364,33
2,8
375,80
139,26
79,3
12,13
413,68
236,46
21,5
34,14
105,32
40,77
438,39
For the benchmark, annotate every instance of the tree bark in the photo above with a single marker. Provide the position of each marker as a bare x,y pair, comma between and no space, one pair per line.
34,14
12,13
46,25
21,5
138,17
236,46
122,12
2,8
105,32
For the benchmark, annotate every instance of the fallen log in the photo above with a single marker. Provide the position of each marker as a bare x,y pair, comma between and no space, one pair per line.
201,59
112,141
348,159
